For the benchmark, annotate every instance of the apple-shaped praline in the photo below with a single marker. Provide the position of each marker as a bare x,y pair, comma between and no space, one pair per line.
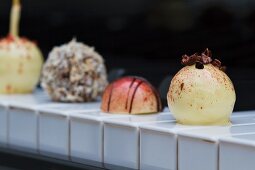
20,59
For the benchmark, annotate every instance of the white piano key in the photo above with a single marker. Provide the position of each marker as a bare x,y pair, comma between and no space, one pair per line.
87,137
54,127
158,144
54,135
121,139
237,152
3,123
22,120
4,116
198,148
243,113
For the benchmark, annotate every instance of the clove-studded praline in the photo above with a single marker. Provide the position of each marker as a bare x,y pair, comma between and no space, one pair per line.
201,93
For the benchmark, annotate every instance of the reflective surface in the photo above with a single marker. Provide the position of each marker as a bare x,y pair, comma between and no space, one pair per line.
16,160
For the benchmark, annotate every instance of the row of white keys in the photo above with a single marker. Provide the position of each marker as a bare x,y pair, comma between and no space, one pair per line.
21,114
54,127
23,120
159,150
237,152
5,102
199,149
66,131
121,139
86,136
75,132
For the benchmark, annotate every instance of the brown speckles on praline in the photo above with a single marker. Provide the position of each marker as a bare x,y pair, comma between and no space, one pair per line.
20,68
182,84
8,88
28,57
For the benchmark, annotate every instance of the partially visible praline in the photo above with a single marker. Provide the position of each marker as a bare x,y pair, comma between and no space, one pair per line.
20,59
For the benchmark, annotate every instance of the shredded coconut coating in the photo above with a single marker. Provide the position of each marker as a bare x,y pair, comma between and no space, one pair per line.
74,72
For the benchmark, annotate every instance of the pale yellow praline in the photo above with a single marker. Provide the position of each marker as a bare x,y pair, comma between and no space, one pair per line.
20,66
201,96
20,59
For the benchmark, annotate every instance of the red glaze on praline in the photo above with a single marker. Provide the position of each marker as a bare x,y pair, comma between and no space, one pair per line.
11,39
131,95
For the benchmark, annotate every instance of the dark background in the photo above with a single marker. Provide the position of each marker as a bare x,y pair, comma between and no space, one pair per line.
148,37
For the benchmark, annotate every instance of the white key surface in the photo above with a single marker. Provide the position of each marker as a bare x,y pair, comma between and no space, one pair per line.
121,139
54,127
158,144
87,136
198,148
237,152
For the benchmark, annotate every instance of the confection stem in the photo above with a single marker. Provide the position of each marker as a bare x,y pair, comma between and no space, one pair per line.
15,17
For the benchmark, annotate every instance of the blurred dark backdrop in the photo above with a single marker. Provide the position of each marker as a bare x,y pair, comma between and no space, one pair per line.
148,37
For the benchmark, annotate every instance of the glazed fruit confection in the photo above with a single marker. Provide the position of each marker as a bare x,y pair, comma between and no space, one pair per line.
131,95
74,72
201,93
20,59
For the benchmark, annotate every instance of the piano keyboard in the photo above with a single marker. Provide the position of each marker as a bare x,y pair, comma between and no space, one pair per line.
121,139
82,133
237,152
